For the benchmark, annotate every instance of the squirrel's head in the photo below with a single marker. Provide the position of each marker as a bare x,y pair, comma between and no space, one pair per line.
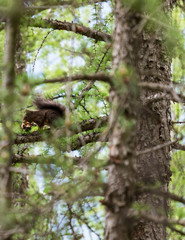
27,121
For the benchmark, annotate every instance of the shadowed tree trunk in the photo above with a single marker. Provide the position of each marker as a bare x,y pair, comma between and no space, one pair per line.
141,125
8,84
20,181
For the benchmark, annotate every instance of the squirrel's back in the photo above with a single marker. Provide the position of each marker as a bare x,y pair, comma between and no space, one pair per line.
44,104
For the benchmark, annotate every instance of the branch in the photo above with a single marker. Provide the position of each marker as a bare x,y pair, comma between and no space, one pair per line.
75,144
85,125
31,10
87,77
169,91
30,137
73,27
178,146
39,159
85,139
161,193
157,147
91,124
47,4
160,220
164,87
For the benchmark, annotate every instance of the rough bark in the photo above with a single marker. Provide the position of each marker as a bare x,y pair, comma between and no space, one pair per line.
144,51
121,182
153,128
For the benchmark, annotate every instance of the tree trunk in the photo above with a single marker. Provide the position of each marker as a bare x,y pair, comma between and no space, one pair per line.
20,181
145,53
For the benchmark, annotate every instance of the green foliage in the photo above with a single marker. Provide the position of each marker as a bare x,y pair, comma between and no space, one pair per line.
143,5
59,194
60,199
177,210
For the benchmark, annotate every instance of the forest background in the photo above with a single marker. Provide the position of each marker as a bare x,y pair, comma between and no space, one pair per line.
114,167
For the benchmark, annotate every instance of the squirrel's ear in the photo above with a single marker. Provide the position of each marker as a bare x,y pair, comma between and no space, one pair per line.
27,110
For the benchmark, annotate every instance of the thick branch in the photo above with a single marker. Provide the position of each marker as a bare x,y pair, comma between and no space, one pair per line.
39,159
49,4
88,77
73,27
29,138
85,125
74,145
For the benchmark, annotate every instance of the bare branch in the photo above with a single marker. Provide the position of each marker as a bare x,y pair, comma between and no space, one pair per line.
178,146
165,221
39,159
87,77
160,220
159,192
155,148
178,122
165,88
47,4
73,27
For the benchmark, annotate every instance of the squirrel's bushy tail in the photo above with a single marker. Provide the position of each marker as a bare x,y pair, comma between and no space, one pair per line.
44,104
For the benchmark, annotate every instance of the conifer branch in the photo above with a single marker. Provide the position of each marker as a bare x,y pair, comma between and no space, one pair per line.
72,27
79,77
85,125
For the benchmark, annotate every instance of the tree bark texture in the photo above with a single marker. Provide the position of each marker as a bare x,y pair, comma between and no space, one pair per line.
145,52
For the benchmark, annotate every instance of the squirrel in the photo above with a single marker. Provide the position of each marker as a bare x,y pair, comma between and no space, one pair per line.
47,113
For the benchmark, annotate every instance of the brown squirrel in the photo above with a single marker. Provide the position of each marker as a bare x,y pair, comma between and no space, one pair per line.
48,112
